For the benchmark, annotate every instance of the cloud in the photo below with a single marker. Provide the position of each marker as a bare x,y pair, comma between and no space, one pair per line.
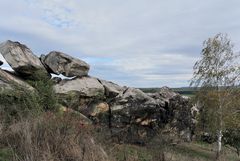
136,43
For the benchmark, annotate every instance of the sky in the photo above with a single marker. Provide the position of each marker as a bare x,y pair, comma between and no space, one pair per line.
138,43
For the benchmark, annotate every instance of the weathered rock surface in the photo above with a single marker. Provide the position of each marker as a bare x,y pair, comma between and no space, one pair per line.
134,116
179,117
98,108
112,89
61,63
1,63
21,59
11,81
79,93
84,86
163,95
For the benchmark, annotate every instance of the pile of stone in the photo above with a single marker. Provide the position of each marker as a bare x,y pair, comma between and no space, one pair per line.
130,114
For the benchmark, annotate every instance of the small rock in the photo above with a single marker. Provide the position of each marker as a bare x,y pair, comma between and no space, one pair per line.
56,79
99,108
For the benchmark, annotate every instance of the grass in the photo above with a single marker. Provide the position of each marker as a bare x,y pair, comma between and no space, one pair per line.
198,151
195,151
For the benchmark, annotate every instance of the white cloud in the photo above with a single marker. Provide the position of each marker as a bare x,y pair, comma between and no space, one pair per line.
142,42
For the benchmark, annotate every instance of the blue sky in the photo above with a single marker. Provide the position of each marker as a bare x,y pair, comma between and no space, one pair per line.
139,43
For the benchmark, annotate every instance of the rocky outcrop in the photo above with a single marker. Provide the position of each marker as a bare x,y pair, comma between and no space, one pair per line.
60,63
130,114
1,63
21,59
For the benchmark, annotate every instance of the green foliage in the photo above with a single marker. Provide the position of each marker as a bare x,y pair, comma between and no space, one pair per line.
19,102
217,64
5,154
45,95
37,75
216,73
232,137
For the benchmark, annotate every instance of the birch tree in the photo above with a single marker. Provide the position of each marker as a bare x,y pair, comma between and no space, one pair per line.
217,73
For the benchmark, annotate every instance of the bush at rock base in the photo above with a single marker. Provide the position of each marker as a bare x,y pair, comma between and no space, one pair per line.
50,137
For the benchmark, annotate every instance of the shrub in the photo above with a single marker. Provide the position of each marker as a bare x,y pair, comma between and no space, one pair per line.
20,102
45,95
52,137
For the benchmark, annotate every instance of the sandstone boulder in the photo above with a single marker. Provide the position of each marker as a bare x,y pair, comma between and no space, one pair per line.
78,93
85,86
22,59
61,63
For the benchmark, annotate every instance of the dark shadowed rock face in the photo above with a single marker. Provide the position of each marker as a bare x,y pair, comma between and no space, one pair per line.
134,116
61,63
10,81
1,63
21,58
180,117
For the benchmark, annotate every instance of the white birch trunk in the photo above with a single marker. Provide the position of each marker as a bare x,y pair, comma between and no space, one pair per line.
219,142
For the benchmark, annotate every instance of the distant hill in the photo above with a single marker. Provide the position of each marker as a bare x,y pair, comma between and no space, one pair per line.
186,91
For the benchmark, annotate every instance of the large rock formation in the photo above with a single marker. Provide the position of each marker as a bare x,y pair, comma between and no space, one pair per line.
21,59
60,63
130,114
